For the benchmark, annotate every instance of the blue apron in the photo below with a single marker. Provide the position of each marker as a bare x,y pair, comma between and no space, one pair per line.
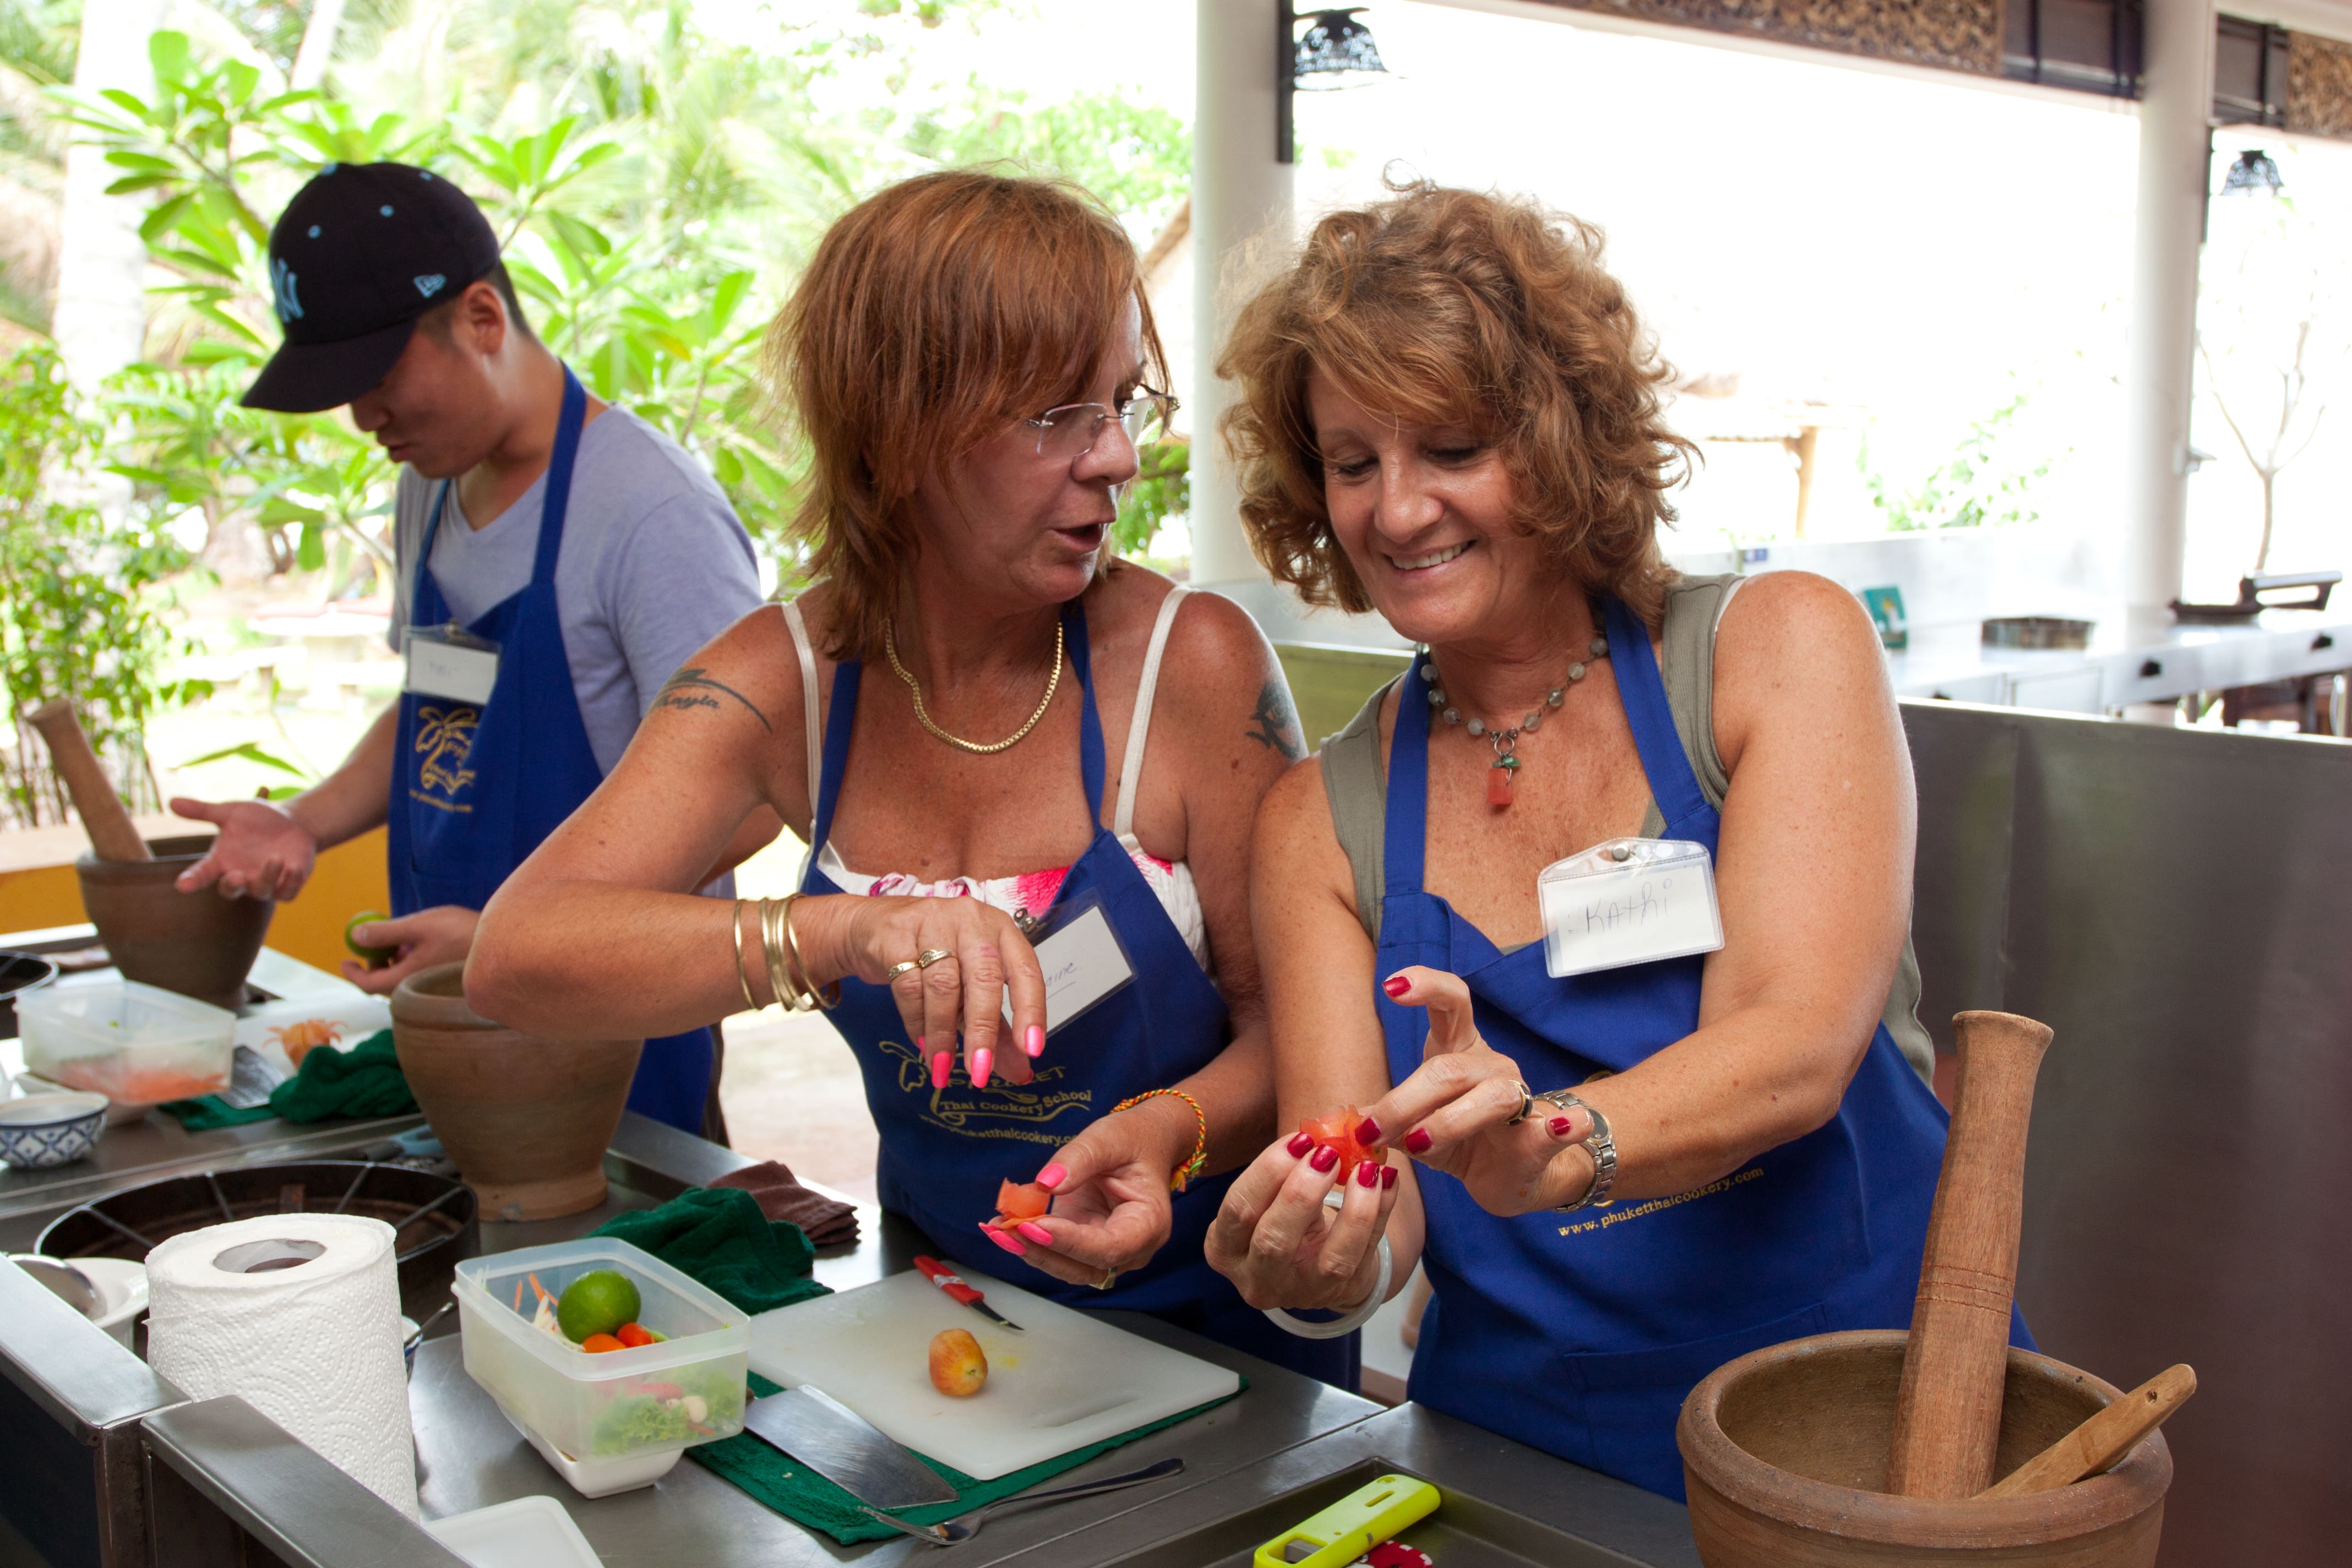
944,1151
475,789
1581,1333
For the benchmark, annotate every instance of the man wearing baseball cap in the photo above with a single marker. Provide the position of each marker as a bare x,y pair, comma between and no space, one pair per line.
556,561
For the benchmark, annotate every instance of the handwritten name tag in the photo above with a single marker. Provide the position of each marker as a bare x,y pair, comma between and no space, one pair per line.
439,665
1630,901
1083,964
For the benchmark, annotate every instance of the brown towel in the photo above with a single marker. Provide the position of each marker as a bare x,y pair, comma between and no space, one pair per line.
829,1221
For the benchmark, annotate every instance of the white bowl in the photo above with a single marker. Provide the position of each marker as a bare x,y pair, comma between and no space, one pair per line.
528,1532
116,1115
121,1292
43,1130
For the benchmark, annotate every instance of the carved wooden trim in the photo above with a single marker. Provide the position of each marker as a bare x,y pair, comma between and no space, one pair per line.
1953,35
2319,86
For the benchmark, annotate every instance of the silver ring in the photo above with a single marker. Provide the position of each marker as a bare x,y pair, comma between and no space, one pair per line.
1526,1105
1337,1197
931,955
897,969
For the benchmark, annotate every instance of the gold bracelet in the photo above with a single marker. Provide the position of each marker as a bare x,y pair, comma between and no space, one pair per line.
817,998
742,974
1190,1168
780,979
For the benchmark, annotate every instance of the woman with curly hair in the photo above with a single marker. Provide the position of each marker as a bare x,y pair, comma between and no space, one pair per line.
1647,1123
999,743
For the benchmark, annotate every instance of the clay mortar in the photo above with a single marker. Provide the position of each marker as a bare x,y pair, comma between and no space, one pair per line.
198,944
526,1120
1784,1455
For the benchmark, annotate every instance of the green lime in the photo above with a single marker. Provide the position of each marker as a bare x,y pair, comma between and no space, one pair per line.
371,956
597,1302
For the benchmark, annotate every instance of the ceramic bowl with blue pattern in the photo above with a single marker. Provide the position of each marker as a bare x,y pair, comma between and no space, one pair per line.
43,1130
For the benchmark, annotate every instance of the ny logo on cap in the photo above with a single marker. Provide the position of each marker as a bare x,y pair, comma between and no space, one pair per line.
430,284
281,278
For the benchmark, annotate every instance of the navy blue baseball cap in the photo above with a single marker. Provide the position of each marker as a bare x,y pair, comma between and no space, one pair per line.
360,253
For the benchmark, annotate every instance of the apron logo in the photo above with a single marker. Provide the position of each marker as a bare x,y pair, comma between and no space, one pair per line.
444,736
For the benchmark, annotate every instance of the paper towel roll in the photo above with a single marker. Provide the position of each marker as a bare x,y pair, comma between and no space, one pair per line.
315,1346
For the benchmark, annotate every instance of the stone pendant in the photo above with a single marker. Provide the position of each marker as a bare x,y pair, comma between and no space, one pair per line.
1498,785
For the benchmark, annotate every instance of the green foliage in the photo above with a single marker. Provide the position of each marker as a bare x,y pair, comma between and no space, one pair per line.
1136,157
1986,481
81,616
1161,488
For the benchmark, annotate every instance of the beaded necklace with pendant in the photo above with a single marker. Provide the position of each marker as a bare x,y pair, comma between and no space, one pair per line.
1505,741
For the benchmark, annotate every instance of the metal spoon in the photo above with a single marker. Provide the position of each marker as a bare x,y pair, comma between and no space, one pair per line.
953,1530
67,1283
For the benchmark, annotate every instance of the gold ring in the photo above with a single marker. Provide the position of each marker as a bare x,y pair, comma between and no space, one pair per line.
1526,1105
931,955
1109,1275
897,969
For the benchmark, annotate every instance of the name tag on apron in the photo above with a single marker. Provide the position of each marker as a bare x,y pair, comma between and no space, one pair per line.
447,661
1083,964
1630,901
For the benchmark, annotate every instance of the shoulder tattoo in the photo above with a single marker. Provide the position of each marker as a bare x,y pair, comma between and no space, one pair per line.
1274,725
692,688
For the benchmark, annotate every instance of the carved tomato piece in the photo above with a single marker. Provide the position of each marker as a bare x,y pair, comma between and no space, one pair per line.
1022,1200
1337,1133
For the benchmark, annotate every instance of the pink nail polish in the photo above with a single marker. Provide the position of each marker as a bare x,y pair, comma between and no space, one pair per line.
1032,1231
1388,1177
1418,1141
1004,1241
1299,1145
1033,1042
1324,1159
982,1058
1396,985
1053,1176
1367,1174
1368,1131
940,1064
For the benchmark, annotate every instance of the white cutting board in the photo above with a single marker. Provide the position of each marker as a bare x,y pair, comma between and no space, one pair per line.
1065,1382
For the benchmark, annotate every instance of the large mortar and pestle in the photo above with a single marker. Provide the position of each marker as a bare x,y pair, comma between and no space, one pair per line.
526,1120
198,944
1876,1447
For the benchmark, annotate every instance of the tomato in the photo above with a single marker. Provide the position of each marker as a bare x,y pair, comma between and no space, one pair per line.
1022,1200
597,1345
1337,1133
632,1335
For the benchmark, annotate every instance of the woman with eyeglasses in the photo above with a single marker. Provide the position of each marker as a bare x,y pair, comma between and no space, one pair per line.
1026,770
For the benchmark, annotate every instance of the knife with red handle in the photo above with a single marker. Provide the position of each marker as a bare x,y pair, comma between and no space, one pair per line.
947,1279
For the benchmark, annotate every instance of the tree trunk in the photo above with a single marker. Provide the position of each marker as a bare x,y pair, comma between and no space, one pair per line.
2270,496
101,321
317,45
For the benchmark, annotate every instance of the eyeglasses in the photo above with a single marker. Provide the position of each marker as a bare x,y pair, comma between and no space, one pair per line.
1068,433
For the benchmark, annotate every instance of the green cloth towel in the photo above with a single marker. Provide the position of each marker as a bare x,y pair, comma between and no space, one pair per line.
718,1236
800,1494
365,1080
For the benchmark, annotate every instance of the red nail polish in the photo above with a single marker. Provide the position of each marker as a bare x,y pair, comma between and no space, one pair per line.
1396,985
1388,1177
1324,1159
1298,1146
1368,1132
1367,1173
1417,1142
1558,1125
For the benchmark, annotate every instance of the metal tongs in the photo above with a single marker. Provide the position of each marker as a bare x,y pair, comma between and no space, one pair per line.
952,1531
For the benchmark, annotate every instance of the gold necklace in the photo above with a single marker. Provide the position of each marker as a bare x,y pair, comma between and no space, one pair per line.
890,647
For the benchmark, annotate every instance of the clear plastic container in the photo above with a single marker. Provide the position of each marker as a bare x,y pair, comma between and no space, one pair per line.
684,1390
283,1033
136,1045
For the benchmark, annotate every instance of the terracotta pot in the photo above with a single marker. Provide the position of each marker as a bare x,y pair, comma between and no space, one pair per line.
198,944
1784,1452
526,1120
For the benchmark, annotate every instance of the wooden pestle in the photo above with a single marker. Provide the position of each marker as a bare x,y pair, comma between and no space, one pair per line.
2093,1447
112,835
1948,1412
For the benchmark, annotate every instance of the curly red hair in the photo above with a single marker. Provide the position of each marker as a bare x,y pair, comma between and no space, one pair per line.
1446,306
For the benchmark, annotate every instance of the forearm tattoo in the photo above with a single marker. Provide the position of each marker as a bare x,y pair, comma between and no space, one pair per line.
690,688
1275,723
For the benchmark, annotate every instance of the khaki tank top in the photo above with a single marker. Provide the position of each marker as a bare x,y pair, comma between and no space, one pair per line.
1355,781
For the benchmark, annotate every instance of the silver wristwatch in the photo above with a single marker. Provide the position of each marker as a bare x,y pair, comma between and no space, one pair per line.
1601,1146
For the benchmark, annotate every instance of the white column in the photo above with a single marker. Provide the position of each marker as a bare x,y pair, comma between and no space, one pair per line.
1239,192
100,320
2173,141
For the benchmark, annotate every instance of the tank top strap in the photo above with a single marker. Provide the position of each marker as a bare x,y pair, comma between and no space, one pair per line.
1406,832
810,716
1131,771
1643,690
